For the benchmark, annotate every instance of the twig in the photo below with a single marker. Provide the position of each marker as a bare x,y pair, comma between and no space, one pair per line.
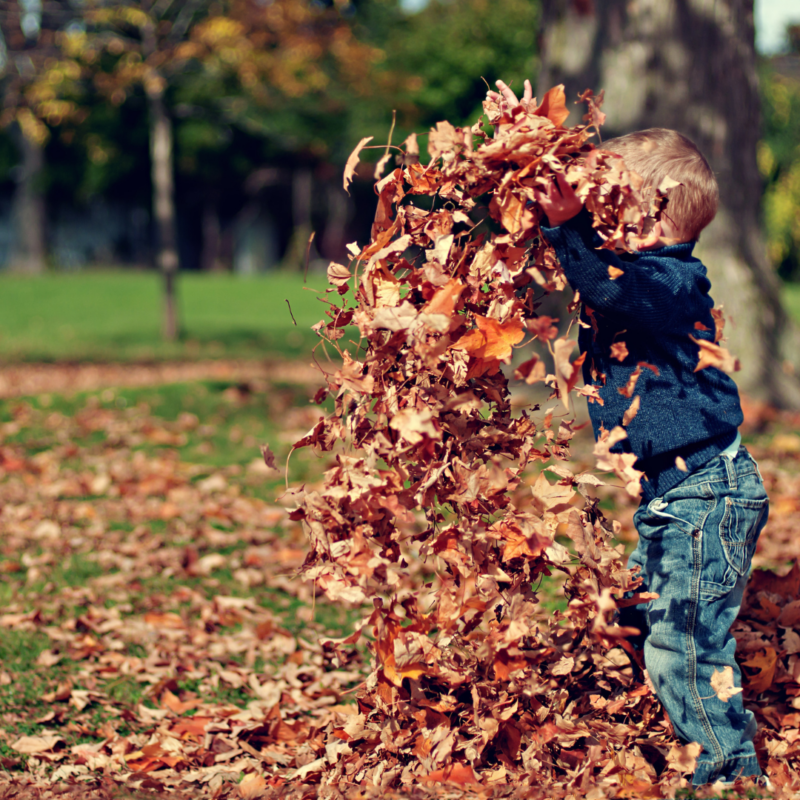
308,254
290,310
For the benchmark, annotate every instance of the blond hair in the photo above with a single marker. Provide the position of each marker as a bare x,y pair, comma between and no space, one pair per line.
658,153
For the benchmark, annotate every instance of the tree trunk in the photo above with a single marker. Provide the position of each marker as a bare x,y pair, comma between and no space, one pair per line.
164,207
690,65
302,197
210,260
29,211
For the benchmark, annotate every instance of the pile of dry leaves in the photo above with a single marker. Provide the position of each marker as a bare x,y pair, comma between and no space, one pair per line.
472,683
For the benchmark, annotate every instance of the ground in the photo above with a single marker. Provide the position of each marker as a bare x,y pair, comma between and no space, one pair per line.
154,636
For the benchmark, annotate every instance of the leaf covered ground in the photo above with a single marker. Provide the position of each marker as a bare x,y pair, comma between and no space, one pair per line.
154,637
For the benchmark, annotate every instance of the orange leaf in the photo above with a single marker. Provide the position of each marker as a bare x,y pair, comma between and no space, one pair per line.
167,620
712,355
460,774
191,727
765,661
554,106
444,301
173,703
490,344
252,786
619,350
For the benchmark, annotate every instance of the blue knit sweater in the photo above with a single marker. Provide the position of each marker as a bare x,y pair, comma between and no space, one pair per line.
652,307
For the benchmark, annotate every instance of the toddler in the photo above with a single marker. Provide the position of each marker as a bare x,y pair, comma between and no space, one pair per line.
703,500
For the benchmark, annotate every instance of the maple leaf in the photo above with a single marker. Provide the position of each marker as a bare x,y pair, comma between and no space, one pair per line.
490,344
764,662
684,758
722,684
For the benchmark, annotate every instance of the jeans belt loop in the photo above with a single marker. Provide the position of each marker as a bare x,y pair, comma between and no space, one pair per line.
731,469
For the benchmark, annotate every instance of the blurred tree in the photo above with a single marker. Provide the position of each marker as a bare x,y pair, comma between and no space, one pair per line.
779,157
436,61
40,87
239,60
691,65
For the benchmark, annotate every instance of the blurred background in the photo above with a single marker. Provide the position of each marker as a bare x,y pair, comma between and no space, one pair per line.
164,163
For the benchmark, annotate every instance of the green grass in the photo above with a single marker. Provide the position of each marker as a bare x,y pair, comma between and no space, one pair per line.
117,316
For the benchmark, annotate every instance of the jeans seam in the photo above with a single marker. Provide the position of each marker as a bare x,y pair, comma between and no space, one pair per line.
697,554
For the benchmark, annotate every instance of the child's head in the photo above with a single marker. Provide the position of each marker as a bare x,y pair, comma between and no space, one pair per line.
658,153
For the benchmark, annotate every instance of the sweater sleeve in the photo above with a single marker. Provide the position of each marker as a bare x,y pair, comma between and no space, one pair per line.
650,292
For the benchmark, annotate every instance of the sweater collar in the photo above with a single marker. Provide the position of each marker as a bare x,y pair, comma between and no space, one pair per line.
683,251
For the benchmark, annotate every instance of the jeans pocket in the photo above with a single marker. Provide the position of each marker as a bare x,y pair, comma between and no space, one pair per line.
739,529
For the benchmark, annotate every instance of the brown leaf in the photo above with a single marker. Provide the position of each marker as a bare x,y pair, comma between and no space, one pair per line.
269,456
554,106
712,355
722,684
619,350
684,758
252,786
543,328
531,371
567,372
458,773
35,745
338,274
631,411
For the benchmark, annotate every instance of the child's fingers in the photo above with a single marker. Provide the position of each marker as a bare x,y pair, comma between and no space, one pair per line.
527,95
563,186
508,95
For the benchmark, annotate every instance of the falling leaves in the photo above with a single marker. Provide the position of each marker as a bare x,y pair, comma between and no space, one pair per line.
429,463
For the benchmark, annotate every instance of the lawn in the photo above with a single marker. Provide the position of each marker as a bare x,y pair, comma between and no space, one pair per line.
116,316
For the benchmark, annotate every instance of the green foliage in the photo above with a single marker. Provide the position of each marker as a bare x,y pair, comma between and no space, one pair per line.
438,60
779,162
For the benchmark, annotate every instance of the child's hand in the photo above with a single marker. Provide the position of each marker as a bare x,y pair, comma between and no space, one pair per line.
560,202
506,97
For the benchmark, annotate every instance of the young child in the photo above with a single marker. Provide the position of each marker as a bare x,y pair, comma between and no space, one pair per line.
703,501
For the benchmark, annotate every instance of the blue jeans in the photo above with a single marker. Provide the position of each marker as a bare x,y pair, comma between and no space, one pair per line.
695,548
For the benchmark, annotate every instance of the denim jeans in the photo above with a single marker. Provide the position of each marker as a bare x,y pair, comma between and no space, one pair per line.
695,548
